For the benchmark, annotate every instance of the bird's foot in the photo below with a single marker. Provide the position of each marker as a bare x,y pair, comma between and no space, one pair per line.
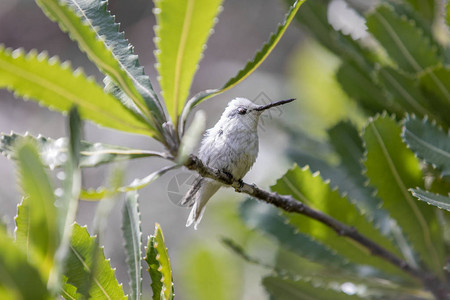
239,185
229,175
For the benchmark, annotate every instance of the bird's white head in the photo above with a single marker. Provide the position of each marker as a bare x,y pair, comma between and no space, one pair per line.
242,114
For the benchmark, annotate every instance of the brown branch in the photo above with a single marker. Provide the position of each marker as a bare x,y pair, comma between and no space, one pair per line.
289,204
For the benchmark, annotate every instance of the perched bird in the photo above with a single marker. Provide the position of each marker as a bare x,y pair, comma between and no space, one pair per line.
230,146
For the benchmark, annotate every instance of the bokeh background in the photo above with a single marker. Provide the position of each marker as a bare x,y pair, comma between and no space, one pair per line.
298,68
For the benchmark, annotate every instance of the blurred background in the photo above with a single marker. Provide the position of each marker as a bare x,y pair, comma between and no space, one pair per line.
298,67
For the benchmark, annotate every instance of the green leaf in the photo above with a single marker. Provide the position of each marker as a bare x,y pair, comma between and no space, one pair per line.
73,18
358,84
56,86
18,279
392,169
159,267
136,184
287,289
180,37
440,201
313,191
426,9
79,267
403,40
406,95
53,151
265,218
132,234
37,230
96,15
428,142
436,84
69,292
248,69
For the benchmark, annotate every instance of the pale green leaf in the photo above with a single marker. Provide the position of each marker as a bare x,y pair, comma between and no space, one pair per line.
18,278
402,39
56,86
132,235
307,289
72,19
180,37
53,151
79,267
248,69
159,269
443,202
392,168
37,230
136,184
428,142
311,190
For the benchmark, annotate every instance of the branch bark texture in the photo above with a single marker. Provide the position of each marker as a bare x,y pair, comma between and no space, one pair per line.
289,204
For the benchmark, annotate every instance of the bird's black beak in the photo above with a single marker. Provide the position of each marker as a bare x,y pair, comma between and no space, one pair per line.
273,104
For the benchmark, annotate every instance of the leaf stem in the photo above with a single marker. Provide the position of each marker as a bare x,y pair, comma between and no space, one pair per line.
289,204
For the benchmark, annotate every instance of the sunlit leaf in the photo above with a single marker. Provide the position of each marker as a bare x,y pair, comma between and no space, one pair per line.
248,69
18,279
54,152
392,168
181,34
37,230
79,267
72,18
159,269
57,87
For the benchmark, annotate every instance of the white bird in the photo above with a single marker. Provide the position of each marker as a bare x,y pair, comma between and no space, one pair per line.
230,146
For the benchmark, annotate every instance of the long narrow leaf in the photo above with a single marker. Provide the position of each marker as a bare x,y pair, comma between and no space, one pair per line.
72,19
392,169
53,152
96,15
37,230
132,234
248,69
56,86
182,31
440,201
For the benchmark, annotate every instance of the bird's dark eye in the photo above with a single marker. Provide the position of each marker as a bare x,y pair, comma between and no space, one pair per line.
242,111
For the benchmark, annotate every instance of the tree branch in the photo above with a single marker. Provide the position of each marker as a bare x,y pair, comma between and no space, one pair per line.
289,204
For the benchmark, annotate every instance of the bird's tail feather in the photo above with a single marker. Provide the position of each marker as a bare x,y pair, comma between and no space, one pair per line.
190,196
204,193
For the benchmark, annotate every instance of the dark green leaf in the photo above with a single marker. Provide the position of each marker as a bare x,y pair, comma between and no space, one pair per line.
428,142
132,234
306,289
392,169
440,201
313,191
403,40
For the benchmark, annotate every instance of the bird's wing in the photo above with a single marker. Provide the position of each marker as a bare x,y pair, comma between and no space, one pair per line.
189,199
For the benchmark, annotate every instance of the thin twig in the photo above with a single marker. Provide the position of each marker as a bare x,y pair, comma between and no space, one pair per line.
289,204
